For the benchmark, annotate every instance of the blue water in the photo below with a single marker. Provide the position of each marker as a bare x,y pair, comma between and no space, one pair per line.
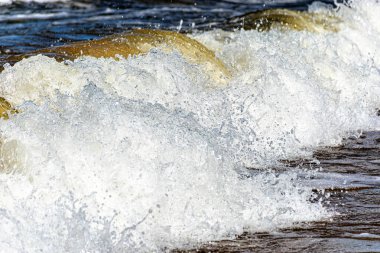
28,26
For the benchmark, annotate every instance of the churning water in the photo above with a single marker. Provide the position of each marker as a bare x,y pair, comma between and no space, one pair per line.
147,153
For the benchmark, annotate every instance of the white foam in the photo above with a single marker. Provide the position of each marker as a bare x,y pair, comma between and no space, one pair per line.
105,173
7,2
29,16
139,155
298,90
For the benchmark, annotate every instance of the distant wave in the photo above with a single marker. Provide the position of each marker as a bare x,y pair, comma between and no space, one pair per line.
7,2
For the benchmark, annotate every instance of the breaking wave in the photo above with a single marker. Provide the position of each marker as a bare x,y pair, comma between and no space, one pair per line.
142,154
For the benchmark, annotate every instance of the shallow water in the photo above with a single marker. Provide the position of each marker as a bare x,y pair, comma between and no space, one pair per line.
146,154
355,197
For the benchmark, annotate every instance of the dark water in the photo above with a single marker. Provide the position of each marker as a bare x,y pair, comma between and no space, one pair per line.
357,226
26,27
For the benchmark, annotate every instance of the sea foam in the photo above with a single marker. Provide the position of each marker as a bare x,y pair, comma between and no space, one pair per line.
139,154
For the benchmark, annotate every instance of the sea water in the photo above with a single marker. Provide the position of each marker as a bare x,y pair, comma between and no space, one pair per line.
143,154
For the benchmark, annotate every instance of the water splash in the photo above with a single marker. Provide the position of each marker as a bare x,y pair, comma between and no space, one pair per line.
140,154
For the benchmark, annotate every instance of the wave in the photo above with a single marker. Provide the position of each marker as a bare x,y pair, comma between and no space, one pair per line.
7,2
32,16
141,154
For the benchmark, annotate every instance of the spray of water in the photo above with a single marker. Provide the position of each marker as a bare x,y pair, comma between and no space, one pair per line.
139,154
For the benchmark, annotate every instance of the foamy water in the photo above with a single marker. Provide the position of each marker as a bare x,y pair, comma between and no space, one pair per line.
7,2
142,154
